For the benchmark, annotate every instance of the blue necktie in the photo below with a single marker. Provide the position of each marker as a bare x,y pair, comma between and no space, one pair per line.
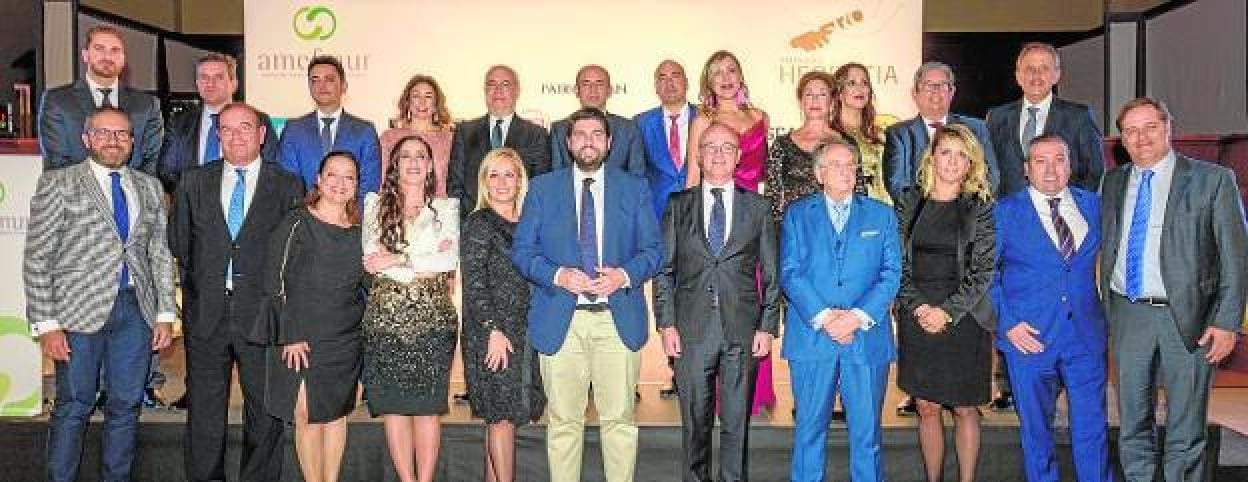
327,135
1137,236
838,216
588,239
496,135
121,216
212,145
234,218
715,233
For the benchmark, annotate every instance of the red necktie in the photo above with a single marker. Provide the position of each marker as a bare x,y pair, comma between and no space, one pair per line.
673,142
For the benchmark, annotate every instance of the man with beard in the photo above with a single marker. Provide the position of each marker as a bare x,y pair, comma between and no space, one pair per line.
588,241
63,110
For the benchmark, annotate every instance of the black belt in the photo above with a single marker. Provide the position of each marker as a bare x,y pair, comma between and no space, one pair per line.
593,307
1148,300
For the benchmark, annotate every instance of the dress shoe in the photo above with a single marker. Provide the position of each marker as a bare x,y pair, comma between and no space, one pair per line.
907,407
838,415
668,393
460,398
179,404
1003,403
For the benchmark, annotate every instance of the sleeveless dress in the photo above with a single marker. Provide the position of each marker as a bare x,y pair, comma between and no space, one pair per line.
750,172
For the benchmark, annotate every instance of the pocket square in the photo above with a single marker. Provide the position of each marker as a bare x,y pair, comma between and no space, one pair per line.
870,234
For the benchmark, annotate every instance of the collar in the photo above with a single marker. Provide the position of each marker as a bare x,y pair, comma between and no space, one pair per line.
102,172
506,119
1043,104
336,115
1163,168
927,123
834,203
96,87
1040,198
208,110
579,176
727,187
680,113
250,167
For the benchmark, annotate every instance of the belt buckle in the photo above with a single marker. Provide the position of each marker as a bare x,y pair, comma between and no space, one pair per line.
1155,302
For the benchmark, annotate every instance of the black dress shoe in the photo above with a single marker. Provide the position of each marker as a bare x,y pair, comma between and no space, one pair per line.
838,415
1003,403
460,398
668,393
907,408
179,404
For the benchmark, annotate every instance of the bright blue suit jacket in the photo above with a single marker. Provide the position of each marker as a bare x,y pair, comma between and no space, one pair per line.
545,240
905,142
301,150
819,272
661,171
1035,284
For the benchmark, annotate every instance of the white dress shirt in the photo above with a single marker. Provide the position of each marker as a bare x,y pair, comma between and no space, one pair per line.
333,126
98,97
1154,285
1067,208
708,203
682,126
927,124
229,176
205,125
424,234
506,125
1042,116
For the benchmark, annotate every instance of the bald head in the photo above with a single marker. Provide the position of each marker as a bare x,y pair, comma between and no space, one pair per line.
670,84
593,86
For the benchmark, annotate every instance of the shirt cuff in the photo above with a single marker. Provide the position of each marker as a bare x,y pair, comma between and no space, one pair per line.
555,280
44,327
628,282
820,319
863,317
166,317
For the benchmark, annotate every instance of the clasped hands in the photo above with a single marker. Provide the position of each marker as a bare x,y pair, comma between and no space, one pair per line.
841,325
932,319
609,279
383,259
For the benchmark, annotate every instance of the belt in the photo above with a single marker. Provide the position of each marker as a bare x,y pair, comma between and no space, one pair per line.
229,292
593,307
1148,300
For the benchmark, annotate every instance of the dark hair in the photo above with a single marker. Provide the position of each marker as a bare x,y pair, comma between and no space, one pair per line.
869,130
393,235
102,28
314,195
1046,138
231,65
589,113
327,60
1141,102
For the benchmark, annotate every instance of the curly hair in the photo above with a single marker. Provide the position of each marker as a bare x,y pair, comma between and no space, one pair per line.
392,234
441,114
976,181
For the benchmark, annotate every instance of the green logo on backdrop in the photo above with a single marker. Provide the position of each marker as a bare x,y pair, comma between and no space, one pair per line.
315,23
19,393
4,192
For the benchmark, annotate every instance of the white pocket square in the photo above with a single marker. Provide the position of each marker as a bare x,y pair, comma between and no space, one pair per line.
870,234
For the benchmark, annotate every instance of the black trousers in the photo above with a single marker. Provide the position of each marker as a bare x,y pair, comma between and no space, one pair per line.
209,366
704,366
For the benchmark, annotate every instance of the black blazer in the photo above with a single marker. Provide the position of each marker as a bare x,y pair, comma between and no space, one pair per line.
200,241
180,150
63,111
1073,121
691,275
977,258
472,142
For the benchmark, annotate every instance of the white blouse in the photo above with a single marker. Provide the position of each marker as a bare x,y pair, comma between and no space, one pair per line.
424,236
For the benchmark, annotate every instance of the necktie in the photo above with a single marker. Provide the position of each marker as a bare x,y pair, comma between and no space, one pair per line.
587,241
496,134
715,233
107,100
838,216
121,216
673,142
234,219
212,145
1137,236
1029,129
327,135
1065,240
936,124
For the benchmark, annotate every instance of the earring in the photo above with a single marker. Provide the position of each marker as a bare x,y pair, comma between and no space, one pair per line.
743,95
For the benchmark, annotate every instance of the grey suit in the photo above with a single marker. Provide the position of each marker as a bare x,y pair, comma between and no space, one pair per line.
1202,254
64,109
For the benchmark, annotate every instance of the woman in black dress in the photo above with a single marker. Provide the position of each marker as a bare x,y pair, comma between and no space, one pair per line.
944,314
504,385
312,382
790,168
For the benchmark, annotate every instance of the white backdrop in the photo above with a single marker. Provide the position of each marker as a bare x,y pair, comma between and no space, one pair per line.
383,42
21,375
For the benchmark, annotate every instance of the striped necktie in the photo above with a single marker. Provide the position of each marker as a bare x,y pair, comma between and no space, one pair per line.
1138,235
1065,240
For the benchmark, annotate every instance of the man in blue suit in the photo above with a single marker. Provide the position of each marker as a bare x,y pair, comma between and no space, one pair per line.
840,267
593,88
588,242
1051,325
306,140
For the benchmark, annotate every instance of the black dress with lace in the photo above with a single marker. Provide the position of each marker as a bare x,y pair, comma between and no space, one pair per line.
496,297
790,175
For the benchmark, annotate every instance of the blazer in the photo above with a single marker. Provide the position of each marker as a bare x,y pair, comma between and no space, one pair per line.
74,254
63,111
471,143
976,258
1072,121
181,149
1034,283
665,179
626,151
200,240
906,141
546,239
301,151
1203,246
693,281
860,268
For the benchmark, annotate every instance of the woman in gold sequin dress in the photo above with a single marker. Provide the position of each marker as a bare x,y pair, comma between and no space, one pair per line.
854,117
411,246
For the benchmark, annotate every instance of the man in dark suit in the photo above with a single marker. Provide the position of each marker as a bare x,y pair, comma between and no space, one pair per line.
588,242
223,215
191,137
1173,317
707,305
500,127
306,140
63,110
1013,125
593,88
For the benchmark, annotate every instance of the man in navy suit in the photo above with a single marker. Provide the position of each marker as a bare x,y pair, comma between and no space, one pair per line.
1013,125
840,267
588,242
1051,325
593,88
906,141
306,140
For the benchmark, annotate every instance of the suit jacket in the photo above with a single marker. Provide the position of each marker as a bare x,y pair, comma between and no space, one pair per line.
1203,246
1034,283
546,239
906,141
1072,121
181,149
976,258
472,142
819,269
665,179
74,253
693,280
626,150
200,240
63,111
301,150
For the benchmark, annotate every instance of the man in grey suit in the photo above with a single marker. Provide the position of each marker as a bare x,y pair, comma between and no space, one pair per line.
63,109
593,88
99,291
1171,318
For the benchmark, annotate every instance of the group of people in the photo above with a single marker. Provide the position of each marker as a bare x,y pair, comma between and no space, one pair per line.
926,242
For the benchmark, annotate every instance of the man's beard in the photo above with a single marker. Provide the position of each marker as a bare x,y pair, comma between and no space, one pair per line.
108,159
588,163
101,72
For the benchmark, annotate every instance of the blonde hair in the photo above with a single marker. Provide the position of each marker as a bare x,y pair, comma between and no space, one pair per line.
976,181
510,155
706,94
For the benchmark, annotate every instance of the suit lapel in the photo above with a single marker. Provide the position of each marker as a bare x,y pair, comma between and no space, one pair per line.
825,228
1083,201
1037,225
1114,192
345,127
262,196
91,186
513,131
1179,183
918,130
737,234
1013,130
854,219
213,189
86,101
193,138
136,206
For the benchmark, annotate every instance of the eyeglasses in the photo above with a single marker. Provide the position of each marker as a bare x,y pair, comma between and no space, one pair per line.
242,130
727,149
102,134
936,87
504,85
840,166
